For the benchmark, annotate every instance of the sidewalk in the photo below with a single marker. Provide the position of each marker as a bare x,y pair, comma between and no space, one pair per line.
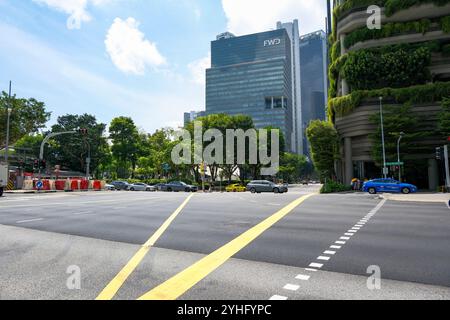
419,197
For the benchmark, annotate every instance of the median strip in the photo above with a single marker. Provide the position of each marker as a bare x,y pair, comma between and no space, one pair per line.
111,289
186,279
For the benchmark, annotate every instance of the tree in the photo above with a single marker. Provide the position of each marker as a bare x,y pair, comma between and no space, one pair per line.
323,140
292,167
27,117
125,144
71,150
444,118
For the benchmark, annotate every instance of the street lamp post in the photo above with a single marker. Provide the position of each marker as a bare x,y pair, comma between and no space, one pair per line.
382,139
88,160
398,153
9,110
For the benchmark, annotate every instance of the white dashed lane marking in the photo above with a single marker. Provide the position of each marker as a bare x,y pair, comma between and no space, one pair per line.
291,287
302,277
277,297
313,267
30,220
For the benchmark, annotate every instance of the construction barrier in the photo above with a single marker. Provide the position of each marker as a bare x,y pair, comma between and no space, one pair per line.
28,185
75,185
97,185
60,185
65,185
84,185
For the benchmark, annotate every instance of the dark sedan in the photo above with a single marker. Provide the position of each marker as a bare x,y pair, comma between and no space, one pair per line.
120,185
259,186
177,186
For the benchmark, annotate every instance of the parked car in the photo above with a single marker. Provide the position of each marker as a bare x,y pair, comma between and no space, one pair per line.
259,186
178,186
141,187
110,187
120,185
388,185
159,186
235,188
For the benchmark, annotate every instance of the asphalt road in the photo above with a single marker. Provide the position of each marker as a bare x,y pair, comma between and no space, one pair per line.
320,249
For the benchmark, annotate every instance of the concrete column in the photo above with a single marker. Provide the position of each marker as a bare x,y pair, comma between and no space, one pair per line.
345,89
342,39
433,174
348,160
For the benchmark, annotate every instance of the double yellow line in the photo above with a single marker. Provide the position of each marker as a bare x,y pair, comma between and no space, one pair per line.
111,289
186,279
183,281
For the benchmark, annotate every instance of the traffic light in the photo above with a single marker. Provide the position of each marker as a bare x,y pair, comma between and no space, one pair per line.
83,131
439,153
43,165
36,164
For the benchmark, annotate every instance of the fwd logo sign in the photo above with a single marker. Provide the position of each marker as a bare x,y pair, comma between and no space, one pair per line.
272,42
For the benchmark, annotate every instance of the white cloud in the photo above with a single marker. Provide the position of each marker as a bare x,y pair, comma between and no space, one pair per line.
198,68
82,90
251,16
128,48
76,9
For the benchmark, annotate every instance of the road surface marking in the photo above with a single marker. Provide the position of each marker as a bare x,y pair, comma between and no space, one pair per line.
340,242
302,277
323,258
335,247
330,252
81,213
359,225
348,234
310,269
111,289
352,231
356,228
186,279
276,297
291,287
344,238
31,220
316,265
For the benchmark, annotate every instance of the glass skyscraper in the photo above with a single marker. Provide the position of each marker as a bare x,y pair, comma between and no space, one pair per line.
314,80
252,75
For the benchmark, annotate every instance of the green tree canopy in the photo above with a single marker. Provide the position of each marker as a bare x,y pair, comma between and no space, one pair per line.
125,148
444,118
323,140
71,150
27,116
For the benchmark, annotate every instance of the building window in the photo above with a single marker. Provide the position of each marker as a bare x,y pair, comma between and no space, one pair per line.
276,102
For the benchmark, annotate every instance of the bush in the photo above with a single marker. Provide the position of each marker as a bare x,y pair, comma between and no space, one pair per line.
391,6
390,66
388,30
429,93
333,187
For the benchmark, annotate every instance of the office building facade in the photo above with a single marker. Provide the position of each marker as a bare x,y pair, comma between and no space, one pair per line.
191,116
252,75
314,81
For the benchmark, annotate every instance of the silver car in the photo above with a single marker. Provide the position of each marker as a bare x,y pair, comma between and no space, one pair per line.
141,187
259,186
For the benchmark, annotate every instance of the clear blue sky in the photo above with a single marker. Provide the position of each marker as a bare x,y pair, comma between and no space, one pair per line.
139,58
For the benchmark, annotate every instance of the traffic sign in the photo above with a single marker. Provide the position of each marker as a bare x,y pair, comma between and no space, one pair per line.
39,185
393,164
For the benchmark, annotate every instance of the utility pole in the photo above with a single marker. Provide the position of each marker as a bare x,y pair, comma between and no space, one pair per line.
385,172
398,153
